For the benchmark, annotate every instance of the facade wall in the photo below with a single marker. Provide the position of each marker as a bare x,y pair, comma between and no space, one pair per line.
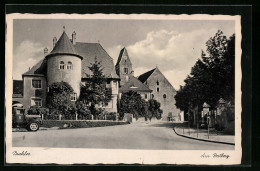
165,88
145,95
124,63
112,105
73,76
30,92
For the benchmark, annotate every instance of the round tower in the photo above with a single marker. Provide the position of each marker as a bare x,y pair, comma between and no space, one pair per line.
64,64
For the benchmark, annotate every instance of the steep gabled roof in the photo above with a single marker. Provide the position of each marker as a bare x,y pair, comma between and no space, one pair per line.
38,69
91,50
135,85
146,75
64,46
86,51
122,53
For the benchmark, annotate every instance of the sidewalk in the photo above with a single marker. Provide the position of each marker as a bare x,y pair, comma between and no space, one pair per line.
203,134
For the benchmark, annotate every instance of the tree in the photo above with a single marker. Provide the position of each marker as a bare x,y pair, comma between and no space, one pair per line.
131,102
212,76
94,90
83,110
59,98
154,109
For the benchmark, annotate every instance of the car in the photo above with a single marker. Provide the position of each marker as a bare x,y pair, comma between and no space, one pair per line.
22,120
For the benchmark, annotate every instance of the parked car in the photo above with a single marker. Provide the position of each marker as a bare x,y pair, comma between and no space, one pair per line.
22,120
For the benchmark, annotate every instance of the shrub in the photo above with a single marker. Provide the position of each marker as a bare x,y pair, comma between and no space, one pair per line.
83,111
79,124
111,116
36,110
54,115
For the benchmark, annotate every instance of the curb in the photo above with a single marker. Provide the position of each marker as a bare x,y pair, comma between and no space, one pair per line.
199,139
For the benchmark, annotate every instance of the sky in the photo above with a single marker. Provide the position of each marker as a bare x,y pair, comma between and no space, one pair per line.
172,45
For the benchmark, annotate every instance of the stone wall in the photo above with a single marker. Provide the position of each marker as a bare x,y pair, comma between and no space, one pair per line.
124,63
164,93
30,92
73,76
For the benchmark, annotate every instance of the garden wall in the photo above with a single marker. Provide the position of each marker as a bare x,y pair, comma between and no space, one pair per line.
80,123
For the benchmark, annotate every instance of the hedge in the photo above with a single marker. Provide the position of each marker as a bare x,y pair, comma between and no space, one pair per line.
78,124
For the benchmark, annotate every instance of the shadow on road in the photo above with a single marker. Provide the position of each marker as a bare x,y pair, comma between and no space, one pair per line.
166,125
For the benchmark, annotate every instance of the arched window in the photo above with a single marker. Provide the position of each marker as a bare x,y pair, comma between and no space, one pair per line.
69,66
158,89
164,96
62,66
157,82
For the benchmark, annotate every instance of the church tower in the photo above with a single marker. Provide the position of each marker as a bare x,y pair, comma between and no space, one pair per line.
124,66
64,64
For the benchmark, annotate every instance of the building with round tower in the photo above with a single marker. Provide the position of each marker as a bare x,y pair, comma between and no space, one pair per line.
64,64
68,61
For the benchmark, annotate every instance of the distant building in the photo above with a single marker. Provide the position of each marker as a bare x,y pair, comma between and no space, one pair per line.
150,85
127,80
163,92
68,61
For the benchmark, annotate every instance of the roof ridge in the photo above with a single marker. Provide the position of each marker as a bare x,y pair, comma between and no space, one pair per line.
143,77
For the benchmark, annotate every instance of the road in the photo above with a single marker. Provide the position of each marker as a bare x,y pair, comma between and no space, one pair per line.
155,136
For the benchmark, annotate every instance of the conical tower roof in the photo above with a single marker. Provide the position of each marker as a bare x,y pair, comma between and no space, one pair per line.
64,47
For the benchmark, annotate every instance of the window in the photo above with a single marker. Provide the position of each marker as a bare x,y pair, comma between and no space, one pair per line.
145,96
164,96
73,97
126,70
152,96
158,89
69,66
36,102
36,84
62,66
157,82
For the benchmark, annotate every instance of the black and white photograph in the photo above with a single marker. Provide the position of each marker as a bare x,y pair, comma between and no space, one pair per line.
137,88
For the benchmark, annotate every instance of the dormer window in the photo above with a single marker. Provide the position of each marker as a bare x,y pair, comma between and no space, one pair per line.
69,66
62,65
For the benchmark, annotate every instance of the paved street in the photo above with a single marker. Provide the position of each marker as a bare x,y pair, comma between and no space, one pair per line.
131,136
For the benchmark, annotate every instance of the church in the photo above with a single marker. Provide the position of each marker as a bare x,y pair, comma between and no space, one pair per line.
69,60
150,85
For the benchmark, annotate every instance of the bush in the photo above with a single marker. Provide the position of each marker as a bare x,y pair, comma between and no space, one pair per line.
79,124
54,115
111,116
36,110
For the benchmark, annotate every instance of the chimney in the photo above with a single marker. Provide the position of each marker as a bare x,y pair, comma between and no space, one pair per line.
45,51
54,41
74,38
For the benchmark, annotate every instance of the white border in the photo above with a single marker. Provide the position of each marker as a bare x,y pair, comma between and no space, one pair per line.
114,156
